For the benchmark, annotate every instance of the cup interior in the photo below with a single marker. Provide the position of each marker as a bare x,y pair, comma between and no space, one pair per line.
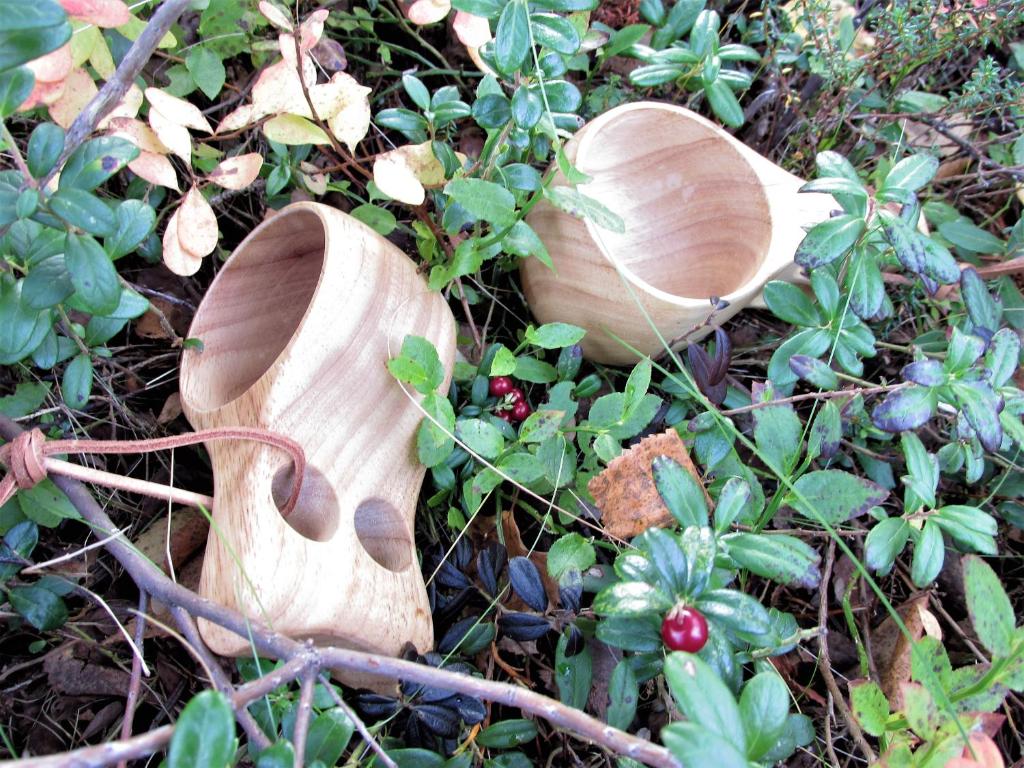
253,308
697,221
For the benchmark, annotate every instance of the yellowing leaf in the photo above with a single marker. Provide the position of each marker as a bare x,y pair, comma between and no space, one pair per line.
156,169
135,27
278,90
396,179
237,172
82,42
197,224
79,89
292,129
472,31
428,11
276,16
177,259
173,135
138,133
420,158
177,110
128,106
102,61
315,181
344,104
102,13
240,118
54,66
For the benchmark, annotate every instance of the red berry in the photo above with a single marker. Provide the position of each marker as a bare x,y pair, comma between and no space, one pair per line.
684,629
515,395
521,410
501,386
504,415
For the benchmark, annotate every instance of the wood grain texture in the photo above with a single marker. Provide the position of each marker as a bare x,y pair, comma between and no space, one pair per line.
705,216
296,331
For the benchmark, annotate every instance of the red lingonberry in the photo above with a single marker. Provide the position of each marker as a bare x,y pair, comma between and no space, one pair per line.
505,415
684,629
515,395
501,386
521,410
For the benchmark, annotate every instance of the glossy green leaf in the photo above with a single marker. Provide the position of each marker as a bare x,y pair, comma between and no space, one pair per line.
929,553
884,543
834,495
507,734
17,546
512,37
623,695
693,745
781,558
76,384
39,607
903,409
724,103
329,734
787,302
737,611
85,211
828,241
44,147
911,173
764,706
704,699
15,86
95,161
631,599
204,736
989,607
680,492
573,674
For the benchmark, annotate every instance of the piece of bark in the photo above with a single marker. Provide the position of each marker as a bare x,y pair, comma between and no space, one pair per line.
625,491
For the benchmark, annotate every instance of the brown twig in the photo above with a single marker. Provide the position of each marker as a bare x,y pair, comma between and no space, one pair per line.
135,681
816,396
368,737
825,663
300,657
303,714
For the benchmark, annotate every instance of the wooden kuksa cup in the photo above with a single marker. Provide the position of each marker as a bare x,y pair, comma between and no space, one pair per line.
705,216
296,331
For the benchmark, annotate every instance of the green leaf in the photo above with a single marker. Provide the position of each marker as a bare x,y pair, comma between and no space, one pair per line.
47,284
512,37
280,754
15,87
777,433
781,558
738,612
579,205
204,736
981,406
329,734
134,221
982,309
989,607
18,544
693,745
680,492
1003,356
724,103
907,408
764,707
963,233
84,210
571,552
523,241
667,558
923,473
23,39
733,502
23,328
489,9
834,495
869,705
828,241
507,734
534,371
884,543
28,396
418,364
631,598
789,303
46,504
540,425
92,273
522,467
527,107
573,674
504,362
705,699
40,607
555,32
641,634
484,199
906,242
380,220
623,694
96,161
434,444
480,437
76,383
44,148
417,91
919,708
929,553
911,173
207,70
826,431
554,335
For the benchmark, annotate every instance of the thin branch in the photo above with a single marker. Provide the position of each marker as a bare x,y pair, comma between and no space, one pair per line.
302,715
368,737
135,681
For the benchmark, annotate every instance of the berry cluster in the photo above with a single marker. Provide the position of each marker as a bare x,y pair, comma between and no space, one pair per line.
684,629
505,388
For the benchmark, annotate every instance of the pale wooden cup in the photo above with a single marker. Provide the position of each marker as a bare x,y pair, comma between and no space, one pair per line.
705,216
296,331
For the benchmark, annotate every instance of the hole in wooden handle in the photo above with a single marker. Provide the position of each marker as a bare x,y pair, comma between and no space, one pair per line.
384,534
316,513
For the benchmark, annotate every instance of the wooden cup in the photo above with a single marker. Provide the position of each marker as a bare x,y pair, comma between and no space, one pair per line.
296,331
705,216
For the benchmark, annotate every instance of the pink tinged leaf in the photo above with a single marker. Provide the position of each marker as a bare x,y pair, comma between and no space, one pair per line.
53,67
237,172
472,31
79,90
43,93
156,169
176,258
312,29
172,135
197,224
276,16
428,11
177,110
102,13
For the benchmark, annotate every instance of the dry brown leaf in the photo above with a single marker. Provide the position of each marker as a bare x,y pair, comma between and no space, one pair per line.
177,259
173,135
625,491
472,31
172,405
395,178
428,11
54,66
891,649
189,529
294,129
79,90
275,15
156,169
237,172
102,13
197,224
138,133
177,110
